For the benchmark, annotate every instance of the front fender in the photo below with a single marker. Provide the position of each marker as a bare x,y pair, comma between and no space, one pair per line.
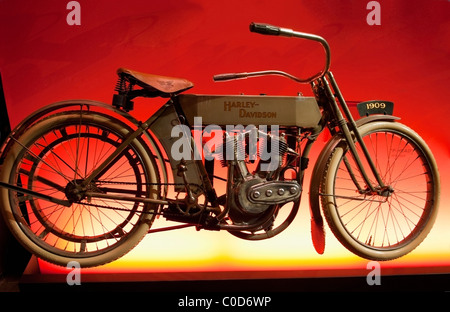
317,224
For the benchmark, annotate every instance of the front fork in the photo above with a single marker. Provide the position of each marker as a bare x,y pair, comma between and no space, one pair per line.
350,132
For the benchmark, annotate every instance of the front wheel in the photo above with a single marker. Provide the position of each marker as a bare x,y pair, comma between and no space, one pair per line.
390,223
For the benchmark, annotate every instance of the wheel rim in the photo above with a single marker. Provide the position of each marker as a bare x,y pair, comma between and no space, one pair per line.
393,221
60,156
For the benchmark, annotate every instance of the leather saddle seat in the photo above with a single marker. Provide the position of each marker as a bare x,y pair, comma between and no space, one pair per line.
152,83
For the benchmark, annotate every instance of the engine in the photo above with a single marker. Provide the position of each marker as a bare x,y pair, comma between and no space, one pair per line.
254,192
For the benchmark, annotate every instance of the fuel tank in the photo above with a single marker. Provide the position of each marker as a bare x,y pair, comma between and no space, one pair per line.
256,110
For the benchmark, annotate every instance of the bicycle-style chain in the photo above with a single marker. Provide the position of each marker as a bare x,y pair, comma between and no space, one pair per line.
133,183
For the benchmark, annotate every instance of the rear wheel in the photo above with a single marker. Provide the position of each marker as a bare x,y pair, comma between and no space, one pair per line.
394,220
53,157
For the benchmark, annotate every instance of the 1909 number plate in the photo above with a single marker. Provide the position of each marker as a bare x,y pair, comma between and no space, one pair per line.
375,107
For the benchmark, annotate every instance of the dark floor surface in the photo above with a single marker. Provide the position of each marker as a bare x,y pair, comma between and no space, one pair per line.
9,284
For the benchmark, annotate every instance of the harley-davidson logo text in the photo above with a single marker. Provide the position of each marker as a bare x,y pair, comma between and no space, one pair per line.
228,105
244,112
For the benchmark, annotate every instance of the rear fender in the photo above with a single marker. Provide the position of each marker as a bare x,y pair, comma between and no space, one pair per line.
60,107
90,105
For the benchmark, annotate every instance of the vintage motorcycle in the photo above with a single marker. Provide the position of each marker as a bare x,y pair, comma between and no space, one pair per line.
84,181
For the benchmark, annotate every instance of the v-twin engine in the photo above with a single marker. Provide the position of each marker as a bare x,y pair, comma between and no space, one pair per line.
252,194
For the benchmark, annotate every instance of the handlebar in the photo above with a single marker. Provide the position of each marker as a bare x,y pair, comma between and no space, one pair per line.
266,29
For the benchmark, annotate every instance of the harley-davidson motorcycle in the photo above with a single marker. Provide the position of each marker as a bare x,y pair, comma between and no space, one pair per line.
84,181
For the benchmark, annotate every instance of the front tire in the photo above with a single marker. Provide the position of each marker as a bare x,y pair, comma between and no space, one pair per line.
382,227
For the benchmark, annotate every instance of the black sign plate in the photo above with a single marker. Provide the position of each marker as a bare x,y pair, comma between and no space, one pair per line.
375,107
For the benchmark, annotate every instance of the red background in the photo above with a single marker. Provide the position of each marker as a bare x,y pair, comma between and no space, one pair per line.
404,60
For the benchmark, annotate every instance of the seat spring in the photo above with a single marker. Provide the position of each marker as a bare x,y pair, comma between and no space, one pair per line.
122,87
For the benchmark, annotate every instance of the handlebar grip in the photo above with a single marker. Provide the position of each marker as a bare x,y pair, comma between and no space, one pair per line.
231,76
265,29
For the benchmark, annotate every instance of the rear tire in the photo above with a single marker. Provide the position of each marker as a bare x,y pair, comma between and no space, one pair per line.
54,154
